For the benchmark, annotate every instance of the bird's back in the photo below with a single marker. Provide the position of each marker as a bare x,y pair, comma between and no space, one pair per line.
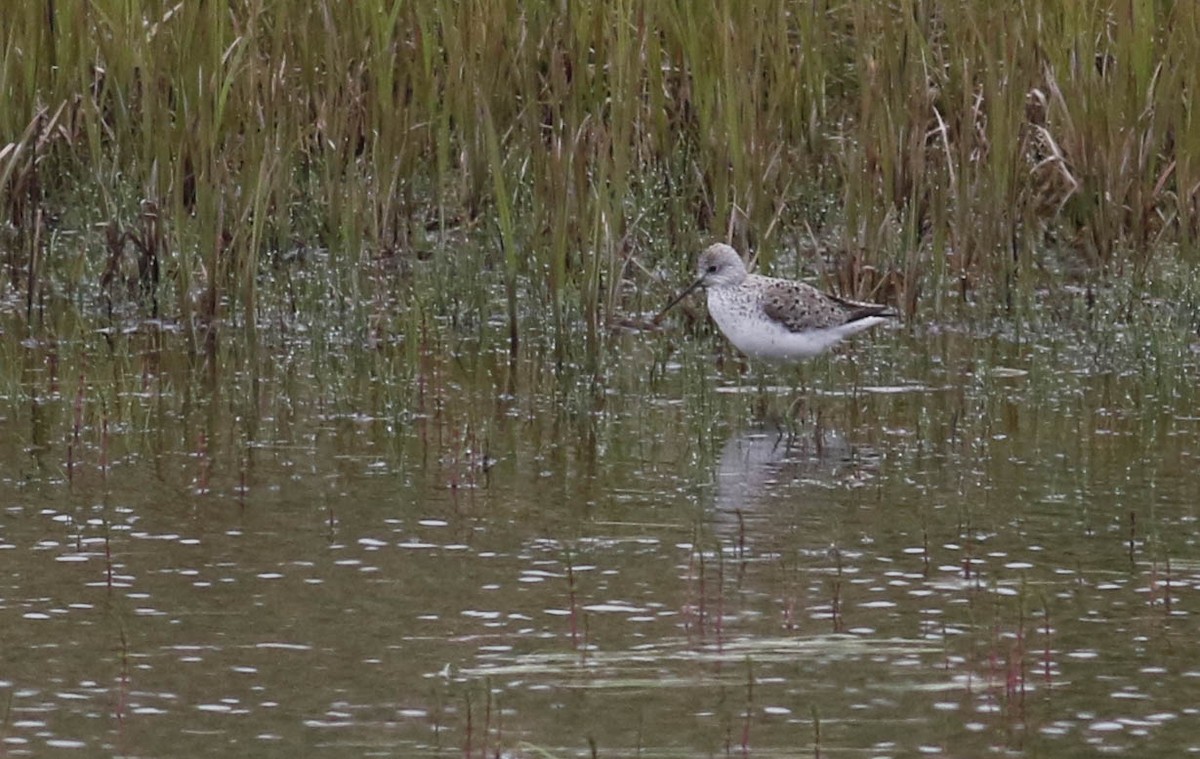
801,307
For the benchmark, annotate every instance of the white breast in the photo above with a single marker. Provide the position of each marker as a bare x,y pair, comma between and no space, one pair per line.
740,318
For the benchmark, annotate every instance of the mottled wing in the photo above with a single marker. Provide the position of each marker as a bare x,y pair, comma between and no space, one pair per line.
801,307
855,310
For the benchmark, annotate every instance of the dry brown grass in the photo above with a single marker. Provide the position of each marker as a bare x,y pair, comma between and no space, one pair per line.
913,151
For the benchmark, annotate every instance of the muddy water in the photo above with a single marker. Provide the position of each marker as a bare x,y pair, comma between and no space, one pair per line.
963,546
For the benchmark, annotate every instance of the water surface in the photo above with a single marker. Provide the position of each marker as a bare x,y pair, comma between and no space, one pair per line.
954,544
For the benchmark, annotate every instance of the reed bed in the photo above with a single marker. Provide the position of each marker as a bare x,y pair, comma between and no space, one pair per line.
178,156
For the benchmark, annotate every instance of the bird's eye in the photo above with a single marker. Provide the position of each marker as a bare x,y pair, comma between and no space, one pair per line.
712,269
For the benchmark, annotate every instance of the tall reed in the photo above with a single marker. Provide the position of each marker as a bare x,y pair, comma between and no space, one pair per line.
916,151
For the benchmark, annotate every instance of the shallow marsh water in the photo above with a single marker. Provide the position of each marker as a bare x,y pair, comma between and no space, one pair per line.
964,543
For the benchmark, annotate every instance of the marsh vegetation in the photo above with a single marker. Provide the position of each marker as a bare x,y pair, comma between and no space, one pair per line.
325,349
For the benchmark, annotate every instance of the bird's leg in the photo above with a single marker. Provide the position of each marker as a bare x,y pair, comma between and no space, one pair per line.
797,411
800,391
761,405
818,434
799,383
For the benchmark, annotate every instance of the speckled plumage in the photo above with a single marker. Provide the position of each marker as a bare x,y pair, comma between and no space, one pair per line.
775,319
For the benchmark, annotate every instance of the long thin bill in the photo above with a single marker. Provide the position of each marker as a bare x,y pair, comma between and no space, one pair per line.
675,301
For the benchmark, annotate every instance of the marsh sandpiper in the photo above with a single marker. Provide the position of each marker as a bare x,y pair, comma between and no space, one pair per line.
771,319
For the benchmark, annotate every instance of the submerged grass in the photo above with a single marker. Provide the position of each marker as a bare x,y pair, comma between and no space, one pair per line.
172,159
